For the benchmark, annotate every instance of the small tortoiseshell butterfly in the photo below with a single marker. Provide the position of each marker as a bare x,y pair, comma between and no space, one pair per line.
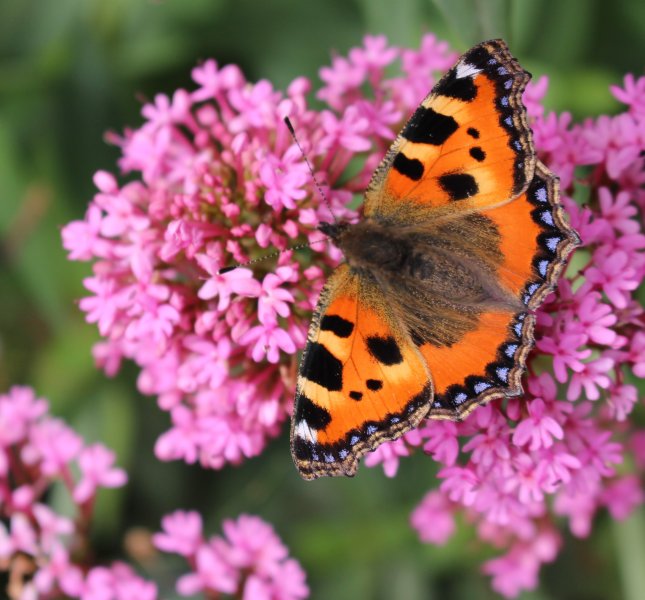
462,237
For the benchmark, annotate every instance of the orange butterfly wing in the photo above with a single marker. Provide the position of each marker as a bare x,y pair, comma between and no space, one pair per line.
362,380
467,146
535,241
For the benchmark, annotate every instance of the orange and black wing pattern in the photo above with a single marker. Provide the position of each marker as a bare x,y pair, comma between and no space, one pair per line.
534,241
475,222
468,145
362,380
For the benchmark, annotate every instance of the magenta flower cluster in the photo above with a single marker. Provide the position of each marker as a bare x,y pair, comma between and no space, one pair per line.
47,554
249,562
38,546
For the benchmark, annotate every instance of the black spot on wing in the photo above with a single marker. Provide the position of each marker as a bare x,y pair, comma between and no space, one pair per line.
412,168
337,325
356,395
427,126
472,132
385,350
478,56
315,416
477,153
374,384
458,185
323,368
462,88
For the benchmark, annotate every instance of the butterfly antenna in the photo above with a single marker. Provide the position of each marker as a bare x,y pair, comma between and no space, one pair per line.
272,255
292,131
299,246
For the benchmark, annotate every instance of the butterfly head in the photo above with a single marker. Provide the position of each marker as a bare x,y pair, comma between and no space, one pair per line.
333,230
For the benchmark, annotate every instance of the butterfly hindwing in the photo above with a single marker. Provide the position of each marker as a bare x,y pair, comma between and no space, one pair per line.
468,145
534,242
362,380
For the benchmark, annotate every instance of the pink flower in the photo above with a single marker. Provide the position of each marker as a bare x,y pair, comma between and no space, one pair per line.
211,573
441,441
637,354
249,562
613,275
388,455
622,496
618,211
118,582
593,376
622,400
48,453
539,428
459,484
96,465
632,94
433,519
267,342
19,408
597,318
238,281
566,353
374,55
52,446
349,132
182,533
518,569
273,300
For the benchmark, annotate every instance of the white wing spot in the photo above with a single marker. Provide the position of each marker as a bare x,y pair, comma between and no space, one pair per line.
510,350
460,398
502,373
541,194
480,387
466,70
304,432
552,243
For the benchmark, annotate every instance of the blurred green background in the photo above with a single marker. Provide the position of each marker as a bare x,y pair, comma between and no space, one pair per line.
70,70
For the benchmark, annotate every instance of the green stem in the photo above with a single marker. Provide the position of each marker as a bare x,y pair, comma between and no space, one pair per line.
630,549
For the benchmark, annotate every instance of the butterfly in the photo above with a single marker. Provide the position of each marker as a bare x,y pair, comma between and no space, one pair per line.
432,312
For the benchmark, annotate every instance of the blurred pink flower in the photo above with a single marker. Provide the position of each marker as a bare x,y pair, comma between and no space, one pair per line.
250,561
95,463
434,519
47,453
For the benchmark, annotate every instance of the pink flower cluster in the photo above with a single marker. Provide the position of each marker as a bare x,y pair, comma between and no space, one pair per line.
39,547
515,467
218,181
46,553
249,562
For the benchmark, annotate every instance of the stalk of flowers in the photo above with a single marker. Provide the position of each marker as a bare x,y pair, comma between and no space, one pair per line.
217,181
249,561
514,467
45,554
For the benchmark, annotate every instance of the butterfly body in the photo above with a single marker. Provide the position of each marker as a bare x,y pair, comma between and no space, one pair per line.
461,239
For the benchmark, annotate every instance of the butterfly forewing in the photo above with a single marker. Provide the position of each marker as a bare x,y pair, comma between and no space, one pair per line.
467,145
